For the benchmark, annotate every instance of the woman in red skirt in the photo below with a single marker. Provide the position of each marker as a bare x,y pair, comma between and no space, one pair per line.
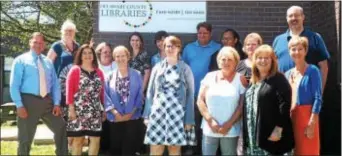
306,83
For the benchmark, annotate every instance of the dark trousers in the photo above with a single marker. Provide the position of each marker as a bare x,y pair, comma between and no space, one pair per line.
123,137
142,148
197,150
40,108
105,137
330,121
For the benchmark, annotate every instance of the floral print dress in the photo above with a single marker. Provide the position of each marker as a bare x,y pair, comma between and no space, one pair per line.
88,106
141,62
122,86
251,110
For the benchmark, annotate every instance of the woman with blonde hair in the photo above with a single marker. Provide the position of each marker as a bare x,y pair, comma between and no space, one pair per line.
62,54
221,110
306,82
169,107
251,42
123,104
267,127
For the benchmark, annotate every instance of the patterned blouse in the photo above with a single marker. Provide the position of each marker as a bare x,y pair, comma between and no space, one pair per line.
122,86
141,62
243,69
62,78
251,111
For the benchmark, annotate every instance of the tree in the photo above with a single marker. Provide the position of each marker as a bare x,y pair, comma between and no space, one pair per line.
20,19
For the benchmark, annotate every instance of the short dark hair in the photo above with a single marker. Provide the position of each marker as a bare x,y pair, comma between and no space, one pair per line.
159,35
141,40
38,34
205,25
78,56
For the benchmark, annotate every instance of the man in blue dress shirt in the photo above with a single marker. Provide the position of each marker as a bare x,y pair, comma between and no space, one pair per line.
35,90
197,55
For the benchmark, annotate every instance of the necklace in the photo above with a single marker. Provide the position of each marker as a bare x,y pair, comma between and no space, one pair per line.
295,74
67,47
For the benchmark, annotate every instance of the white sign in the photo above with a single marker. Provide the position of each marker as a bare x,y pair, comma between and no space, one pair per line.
177,17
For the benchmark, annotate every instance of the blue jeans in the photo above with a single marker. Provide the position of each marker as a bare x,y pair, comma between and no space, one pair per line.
210,144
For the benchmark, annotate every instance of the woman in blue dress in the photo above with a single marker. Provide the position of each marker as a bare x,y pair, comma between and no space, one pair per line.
169,106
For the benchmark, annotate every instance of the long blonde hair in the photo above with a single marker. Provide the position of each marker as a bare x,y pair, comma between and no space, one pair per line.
274,65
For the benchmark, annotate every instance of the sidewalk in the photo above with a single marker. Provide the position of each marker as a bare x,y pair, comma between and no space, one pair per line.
43,135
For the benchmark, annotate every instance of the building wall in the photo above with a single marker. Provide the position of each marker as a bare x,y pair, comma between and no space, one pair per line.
269,19
323,21
338,26
325,17
266,18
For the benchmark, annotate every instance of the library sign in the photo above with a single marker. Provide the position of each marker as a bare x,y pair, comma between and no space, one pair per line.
176,17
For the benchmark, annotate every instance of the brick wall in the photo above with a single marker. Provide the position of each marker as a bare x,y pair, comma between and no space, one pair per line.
266,18
338,26
323,21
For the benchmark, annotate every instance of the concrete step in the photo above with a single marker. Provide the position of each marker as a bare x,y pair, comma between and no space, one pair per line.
43,136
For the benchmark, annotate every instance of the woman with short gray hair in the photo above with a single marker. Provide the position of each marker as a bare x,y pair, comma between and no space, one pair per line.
220,102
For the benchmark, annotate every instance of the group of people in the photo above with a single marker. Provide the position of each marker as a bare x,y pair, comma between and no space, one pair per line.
249,98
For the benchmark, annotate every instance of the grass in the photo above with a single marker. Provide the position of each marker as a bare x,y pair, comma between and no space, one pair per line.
9,124
10,148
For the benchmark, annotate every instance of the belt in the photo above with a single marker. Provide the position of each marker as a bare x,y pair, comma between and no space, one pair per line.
38,96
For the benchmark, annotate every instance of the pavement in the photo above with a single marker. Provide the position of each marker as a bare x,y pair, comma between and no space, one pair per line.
43,134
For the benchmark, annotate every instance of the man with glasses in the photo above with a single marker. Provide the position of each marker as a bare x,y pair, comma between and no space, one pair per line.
317,53
197,55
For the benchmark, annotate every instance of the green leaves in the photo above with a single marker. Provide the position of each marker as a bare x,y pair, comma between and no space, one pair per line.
20,19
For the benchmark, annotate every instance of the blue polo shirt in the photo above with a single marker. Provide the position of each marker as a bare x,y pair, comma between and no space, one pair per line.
198,58
155,59
317,50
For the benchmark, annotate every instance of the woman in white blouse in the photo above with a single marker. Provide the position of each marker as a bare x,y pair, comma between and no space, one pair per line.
220,103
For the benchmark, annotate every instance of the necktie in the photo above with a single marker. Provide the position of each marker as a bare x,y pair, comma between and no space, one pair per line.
42,80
